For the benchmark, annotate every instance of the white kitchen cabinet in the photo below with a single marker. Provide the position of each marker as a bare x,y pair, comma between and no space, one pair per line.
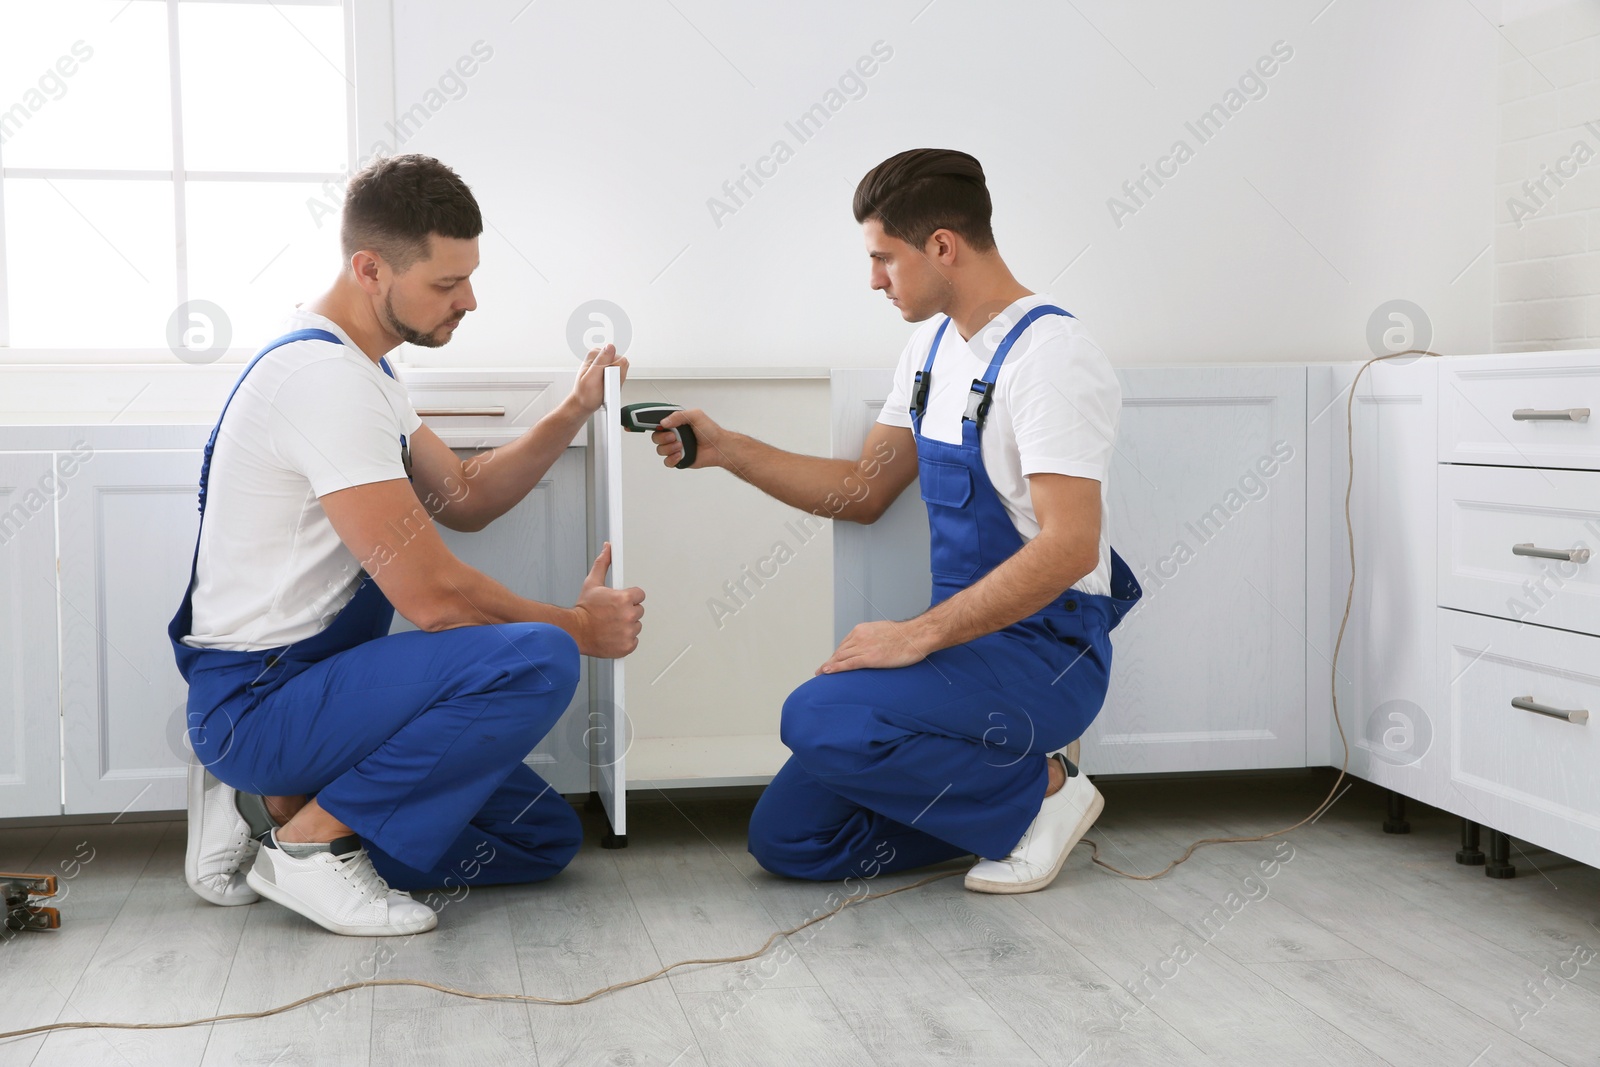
30,723
1207,506
126,533
1386,678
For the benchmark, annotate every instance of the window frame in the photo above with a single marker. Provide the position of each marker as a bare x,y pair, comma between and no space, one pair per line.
374,65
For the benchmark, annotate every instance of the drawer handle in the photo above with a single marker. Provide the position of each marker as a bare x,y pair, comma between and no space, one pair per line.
1557,415
1571,555
1579,715
431,413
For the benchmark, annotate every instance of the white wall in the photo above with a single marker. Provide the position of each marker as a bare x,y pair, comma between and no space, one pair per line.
1547,213
596,133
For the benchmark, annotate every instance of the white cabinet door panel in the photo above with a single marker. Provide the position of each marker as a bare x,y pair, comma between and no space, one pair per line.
30,715
1387,695
607,727
1207,506
127,531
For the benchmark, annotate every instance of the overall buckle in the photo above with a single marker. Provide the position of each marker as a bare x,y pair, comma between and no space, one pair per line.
919,392
978,401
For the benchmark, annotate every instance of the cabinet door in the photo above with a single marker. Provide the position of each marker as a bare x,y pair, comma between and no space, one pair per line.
537,551
30,713
127,532
1207,506
608,717
1388,706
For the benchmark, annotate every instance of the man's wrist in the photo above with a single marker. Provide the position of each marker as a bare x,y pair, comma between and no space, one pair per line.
925,634
571,411
572,621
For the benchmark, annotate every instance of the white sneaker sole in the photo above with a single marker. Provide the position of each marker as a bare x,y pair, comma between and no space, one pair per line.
1097,804
191,857
294,904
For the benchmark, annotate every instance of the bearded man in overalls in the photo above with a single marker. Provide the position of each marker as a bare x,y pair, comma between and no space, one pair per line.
339,766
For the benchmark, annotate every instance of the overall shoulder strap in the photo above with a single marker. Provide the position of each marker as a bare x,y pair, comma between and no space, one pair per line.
211,442
924,379
982,394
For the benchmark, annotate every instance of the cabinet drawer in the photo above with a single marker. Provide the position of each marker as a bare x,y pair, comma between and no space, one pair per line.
1497,529
1502,410
1524,771
482,408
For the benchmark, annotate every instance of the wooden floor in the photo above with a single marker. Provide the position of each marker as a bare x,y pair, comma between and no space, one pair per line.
1356,947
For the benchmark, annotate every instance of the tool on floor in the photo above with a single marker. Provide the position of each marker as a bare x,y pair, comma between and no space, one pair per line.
22,892
640,418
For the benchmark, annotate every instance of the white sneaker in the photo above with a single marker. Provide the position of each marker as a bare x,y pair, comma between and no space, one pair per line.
220,846
339,890
1063,819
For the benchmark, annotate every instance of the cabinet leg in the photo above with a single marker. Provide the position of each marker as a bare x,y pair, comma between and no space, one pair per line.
614,841
1396,822
1499,865
1469,853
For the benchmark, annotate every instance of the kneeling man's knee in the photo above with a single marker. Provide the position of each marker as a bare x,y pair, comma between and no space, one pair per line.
826,734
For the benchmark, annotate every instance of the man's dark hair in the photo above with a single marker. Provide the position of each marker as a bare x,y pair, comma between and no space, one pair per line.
927,189
395,202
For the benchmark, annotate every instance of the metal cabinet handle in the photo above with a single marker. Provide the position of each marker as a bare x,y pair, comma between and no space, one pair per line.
428,413
1556,415
1571,555
1578,715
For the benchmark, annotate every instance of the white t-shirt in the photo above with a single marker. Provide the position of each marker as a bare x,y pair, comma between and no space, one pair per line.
313,417
1055,410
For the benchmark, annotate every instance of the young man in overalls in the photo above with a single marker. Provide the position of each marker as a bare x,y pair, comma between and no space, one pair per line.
339,766
941,736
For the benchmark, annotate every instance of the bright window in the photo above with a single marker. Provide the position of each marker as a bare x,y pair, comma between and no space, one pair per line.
159,160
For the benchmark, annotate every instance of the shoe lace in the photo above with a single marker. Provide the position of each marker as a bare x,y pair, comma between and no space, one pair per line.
232,856
357,869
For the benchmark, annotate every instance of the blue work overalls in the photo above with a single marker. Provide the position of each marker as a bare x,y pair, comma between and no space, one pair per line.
899,768
413,740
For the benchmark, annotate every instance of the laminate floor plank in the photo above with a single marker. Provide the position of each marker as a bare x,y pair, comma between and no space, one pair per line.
1182,976
164,958
1397,1017
581,932
696,902
905,1003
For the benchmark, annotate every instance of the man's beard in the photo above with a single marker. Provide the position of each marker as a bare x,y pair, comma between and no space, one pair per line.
406,333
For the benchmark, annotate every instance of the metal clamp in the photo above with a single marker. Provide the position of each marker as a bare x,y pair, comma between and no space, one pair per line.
1571,555
1555,415
434,413
1578,715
